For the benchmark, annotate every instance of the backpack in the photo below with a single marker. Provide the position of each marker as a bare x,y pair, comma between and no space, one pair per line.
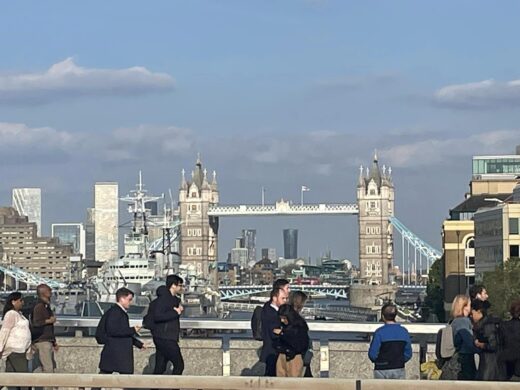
444,347
101,332
148,320
256,323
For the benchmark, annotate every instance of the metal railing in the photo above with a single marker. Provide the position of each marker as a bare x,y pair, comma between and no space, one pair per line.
236,325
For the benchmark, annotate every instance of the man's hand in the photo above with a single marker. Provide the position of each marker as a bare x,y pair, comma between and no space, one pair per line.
50,321
56,347
179,309
137,328
277,331
479,344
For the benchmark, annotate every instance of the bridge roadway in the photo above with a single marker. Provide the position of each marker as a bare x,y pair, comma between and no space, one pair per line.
283,208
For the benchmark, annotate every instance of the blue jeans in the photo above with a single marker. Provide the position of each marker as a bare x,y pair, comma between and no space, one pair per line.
396,373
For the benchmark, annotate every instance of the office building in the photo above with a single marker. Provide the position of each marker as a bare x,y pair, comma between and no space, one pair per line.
249,236
72,234
106,221
269,253
90,236
28,202
21,247
290,243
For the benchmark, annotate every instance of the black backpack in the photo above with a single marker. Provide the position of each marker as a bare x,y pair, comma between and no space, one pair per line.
256,323
101,332
148,320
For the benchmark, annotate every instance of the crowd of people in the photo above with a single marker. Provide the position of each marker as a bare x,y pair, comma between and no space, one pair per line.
485,347
480,345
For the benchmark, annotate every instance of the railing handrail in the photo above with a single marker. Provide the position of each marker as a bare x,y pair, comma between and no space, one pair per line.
216,324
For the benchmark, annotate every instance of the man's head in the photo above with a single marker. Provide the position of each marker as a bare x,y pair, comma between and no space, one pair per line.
478,310
283,284
44,292
279,297
479,292
124,297
174,283
389,312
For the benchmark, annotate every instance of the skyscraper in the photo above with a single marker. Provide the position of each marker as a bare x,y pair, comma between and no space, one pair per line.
90,236
28,202
70,234
290,243
106,219
269,253
249,236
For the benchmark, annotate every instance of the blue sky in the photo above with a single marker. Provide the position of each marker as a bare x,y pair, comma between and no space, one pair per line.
273,93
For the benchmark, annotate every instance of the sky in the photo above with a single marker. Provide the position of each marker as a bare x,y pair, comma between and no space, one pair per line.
271,93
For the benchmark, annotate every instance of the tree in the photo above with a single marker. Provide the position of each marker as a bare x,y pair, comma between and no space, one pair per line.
503,286
434,301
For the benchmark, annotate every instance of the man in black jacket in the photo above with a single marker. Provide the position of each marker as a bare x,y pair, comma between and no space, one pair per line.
118,354
270,322
166,313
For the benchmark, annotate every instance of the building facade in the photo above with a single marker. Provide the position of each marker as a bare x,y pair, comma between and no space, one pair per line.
290,244
28,202
269,253
20,246
90,235
199,232
106,221
249,236
72,234
375,197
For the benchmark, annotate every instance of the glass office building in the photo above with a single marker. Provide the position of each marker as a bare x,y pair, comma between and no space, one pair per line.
496,165
70,234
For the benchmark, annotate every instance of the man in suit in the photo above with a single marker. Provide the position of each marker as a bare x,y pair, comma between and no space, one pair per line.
118,354
270,322
166,314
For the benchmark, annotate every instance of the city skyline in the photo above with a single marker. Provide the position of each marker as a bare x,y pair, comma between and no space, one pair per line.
295,93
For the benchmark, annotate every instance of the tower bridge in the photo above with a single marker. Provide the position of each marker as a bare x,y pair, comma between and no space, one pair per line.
231,292
283,208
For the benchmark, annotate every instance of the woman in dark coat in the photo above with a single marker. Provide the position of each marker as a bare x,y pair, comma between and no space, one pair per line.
292,343
510,337
118,354
486,330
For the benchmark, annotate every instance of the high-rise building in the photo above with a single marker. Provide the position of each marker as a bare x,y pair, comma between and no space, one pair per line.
375,196
106,221
198,239
269,253
72,234
90,236
153,207
28,202
20,246
290,244
249,236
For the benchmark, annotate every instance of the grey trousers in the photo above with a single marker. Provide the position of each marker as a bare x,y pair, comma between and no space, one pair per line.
17,362
396,373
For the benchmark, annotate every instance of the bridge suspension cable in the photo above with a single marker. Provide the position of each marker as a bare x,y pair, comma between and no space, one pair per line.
421,249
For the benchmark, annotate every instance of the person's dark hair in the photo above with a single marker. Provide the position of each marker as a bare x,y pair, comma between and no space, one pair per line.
275,292
41,288
123,292
14,296
173,280
280,283
475,290
514,309
389,312
292,315
297,300
480,306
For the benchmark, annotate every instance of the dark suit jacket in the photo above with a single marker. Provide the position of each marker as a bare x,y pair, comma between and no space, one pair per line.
118,354
270,321
167,324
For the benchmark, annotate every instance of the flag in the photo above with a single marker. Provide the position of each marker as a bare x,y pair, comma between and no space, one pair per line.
305,188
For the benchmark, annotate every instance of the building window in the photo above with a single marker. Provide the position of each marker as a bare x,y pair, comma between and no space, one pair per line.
514,251
372,192
193,194
513,226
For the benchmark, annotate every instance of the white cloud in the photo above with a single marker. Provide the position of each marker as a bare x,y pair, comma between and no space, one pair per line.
66,79
444,150
478,95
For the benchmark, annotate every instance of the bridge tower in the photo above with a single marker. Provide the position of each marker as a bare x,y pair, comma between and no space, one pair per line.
198,231
375,196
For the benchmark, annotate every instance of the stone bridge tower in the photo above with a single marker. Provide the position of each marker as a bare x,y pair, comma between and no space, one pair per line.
375,197
198,238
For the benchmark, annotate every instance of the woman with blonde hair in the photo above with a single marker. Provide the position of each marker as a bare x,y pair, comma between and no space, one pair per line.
463,339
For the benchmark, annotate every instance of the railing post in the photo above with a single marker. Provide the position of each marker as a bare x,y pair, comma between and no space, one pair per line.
324,358
226,356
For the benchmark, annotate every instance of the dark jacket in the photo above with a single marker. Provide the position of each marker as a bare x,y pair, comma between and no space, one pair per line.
294,339
118,354
390,348
39,330
463,339
270,321
161,290
487,331
510,340
166,318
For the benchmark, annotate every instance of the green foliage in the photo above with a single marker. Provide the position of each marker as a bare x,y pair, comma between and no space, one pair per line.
434,300
503,286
